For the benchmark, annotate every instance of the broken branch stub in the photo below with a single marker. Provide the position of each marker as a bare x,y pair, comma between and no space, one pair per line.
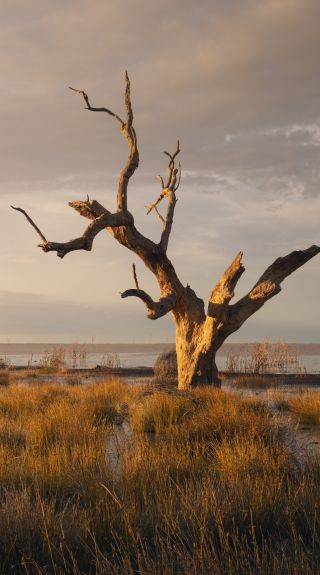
267,286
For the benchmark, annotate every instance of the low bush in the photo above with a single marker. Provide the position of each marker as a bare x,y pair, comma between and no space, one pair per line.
165,368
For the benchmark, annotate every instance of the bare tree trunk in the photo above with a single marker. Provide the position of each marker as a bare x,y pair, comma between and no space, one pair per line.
195,339
196,365
199,334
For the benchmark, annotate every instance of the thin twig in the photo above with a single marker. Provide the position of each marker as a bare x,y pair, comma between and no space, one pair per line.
151,207
171,168
135,276
160,216
31,222
92,109
161,180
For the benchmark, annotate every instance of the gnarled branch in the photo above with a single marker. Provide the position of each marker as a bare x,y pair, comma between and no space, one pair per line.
129,133
266,287
101,217
85,241
224,290
121,226
155,309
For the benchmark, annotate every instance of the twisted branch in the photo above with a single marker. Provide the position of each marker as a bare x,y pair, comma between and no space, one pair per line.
84,242
101,217
155,309
130,135
267,286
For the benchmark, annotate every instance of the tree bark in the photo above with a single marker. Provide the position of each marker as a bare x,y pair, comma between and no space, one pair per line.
195,337
199,334
196,363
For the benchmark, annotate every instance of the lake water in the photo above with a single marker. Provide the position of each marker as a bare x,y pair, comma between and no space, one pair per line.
146,357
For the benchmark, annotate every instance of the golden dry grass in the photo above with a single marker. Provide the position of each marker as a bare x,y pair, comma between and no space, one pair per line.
305,406
205,484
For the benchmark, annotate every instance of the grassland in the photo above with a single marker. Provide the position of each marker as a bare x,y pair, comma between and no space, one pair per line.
305,406
194,483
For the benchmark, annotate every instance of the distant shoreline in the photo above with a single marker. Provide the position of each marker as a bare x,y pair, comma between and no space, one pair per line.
237,348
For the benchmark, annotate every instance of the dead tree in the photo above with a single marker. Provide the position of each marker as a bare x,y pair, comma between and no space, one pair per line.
199,333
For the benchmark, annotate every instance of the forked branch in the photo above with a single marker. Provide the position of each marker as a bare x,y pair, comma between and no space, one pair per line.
266,287
173,181
101,217
130,135
168,191
85,241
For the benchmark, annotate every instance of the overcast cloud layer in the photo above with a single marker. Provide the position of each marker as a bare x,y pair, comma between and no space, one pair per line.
237,82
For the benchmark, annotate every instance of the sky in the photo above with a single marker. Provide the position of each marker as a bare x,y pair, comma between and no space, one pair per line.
237,82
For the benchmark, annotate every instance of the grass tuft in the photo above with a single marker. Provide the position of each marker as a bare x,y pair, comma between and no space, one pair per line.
306,406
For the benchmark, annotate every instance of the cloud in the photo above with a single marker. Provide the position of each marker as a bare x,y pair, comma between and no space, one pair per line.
299,134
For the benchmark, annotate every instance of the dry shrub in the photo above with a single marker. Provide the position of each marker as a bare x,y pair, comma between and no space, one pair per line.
165,368
110,361
54,360
78,356
264,357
